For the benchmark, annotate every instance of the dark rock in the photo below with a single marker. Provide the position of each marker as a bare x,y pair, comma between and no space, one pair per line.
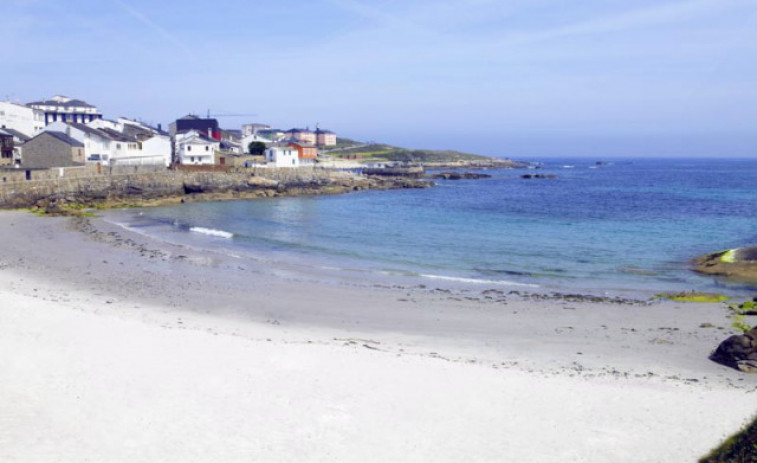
538,176
738,348
458,176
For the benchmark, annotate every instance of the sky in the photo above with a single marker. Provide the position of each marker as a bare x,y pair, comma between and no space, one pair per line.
516,78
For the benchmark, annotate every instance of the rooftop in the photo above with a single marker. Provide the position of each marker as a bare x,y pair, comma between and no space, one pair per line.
63,101
20,135
63,137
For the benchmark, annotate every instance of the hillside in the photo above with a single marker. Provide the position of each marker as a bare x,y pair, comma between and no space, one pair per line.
377,152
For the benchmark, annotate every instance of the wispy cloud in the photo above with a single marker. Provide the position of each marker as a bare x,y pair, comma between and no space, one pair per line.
629,20
156,28
382,18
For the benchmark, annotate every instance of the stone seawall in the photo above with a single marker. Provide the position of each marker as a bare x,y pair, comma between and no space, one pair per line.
178,186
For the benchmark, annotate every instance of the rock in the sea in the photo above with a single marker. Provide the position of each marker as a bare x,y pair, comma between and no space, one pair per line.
458,176
739,351
538,176
739,264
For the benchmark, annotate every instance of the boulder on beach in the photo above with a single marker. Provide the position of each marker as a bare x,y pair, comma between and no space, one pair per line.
739,263
739,351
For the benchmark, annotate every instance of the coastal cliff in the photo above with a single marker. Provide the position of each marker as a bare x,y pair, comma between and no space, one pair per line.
169,187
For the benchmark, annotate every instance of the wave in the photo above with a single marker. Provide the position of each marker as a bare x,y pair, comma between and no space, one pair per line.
212,232
477,281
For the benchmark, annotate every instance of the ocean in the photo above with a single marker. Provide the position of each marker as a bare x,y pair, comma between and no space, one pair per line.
627,226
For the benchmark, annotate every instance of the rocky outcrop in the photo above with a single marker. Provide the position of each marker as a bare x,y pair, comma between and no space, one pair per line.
411,172
738,264
739,351
527,176
458,176
170,187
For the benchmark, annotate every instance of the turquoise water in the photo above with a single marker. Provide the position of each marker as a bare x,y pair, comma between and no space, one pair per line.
628,225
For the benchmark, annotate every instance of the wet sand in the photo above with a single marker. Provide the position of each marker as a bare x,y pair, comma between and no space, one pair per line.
120,348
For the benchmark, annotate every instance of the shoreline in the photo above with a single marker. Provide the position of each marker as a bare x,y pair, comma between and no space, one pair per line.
106,311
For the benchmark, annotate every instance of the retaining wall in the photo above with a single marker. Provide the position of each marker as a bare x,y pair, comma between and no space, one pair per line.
89,187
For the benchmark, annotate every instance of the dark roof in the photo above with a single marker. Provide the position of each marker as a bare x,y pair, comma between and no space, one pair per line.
294,141
182,125
317,131
87,129
63,137
117,136
3,133
65,104
227,145
137,132
21,136
299,131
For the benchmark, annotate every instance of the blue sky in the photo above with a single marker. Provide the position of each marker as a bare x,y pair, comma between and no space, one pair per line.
520,78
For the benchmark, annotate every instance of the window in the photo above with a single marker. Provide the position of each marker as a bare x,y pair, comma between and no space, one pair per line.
118,146
189,147
207,148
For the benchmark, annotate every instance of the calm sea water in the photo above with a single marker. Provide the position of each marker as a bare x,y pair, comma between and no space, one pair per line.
628,225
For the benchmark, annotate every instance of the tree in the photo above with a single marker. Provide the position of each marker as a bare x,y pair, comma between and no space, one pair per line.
256,147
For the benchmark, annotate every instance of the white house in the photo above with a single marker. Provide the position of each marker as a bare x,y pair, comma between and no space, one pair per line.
112,147
195,148
157,150
21,118
282,156
153,151
65,109
252,138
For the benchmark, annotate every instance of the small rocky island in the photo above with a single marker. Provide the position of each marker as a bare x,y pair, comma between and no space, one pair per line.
739,264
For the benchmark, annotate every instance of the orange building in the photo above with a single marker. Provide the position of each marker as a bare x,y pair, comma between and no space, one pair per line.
325,137
303,135
305,150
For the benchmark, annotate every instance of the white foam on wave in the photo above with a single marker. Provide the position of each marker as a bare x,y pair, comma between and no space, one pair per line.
477,281
212,232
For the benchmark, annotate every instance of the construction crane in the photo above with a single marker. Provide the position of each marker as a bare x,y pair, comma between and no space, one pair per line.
230,115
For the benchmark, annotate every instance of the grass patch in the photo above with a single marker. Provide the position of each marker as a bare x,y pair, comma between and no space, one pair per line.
383,152
739,448
728,257
694,297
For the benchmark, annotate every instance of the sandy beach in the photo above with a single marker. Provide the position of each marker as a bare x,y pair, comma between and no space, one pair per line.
116,347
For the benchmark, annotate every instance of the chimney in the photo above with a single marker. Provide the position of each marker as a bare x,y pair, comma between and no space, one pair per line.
210,132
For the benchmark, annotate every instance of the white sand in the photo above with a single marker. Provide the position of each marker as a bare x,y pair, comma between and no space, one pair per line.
86,376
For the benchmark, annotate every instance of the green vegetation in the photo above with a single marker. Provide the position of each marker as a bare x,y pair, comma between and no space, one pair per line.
694,297
740,311
729,256
382,152
739,448
256,148
346,143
